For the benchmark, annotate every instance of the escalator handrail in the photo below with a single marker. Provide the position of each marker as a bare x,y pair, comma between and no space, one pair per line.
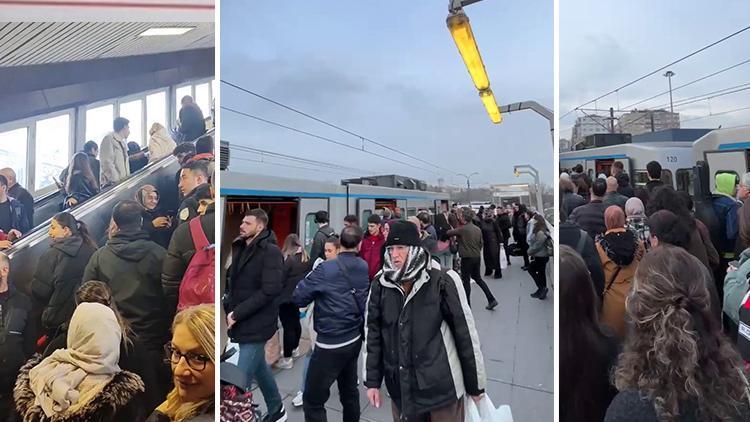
37,234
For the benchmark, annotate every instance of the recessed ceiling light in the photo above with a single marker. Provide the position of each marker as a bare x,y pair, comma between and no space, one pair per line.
151,32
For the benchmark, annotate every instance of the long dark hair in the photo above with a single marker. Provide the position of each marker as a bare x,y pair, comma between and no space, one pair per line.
80,164
587,351
77,228
94,291
666,198
676,354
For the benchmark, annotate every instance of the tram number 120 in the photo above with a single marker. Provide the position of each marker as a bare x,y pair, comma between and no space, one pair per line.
671,159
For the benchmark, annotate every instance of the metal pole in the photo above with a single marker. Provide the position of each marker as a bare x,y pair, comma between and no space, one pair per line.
669,75
611,120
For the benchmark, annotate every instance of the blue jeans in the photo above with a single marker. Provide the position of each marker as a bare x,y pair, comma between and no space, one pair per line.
304,370
252,360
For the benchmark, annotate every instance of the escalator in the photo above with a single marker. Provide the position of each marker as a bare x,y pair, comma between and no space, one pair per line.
95,213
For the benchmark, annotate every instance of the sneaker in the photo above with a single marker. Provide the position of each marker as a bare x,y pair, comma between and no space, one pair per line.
490,306
296,353
285,363
487,273
297,400
279,416
498,275
536,293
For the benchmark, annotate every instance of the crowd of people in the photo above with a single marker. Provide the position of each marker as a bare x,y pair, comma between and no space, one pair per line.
388,290
114,159
91,335
653,303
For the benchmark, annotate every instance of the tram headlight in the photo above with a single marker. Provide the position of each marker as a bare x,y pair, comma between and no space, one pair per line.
488,99
458,24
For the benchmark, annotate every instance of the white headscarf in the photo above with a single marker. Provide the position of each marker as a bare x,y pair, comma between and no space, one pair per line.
71,377
160,144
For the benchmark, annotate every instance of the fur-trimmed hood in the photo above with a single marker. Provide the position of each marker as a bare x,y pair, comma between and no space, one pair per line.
107,406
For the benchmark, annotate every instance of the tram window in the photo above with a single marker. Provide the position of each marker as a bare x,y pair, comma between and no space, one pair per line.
178,94
156,109
133,111
52,145
365,215
310,229
99,122
640,178
684,180
13,150
666,177
202,98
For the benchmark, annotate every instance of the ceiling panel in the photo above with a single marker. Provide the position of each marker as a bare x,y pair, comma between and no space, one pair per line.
33,43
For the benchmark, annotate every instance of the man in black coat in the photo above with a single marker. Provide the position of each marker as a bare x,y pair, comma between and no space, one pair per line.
590,217
251,301
21,194
317,250
492,237
15,308
193,186
339,289
426,348
131,264
180,252
192,123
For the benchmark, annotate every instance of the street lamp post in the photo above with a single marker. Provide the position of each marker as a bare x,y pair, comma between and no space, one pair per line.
468,185
531,171
669,75
538,109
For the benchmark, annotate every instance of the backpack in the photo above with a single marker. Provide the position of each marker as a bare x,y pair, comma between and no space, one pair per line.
549,245
197,286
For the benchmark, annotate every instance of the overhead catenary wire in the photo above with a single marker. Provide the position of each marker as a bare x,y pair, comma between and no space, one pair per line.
361,137
716,114
294,158
661,68
694,81
291,166
323,138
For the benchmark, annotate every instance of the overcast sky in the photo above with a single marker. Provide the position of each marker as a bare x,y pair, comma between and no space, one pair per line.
605,45
390,71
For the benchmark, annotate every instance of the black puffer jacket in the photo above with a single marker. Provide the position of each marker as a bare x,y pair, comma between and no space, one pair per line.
160,235
121,400
55,282
253,289
14,326
337,317
503,221
405,343
189,206
590,218
294,271
131,265
492,237
180,252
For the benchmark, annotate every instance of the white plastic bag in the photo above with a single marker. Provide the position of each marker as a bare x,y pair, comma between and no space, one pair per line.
485,411
503,258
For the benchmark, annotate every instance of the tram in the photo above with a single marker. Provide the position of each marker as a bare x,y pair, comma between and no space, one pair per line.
723,151
69,82
676,159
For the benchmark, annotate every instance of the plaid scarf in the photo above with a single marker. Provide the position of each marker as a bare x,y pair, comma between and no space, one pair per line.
416,261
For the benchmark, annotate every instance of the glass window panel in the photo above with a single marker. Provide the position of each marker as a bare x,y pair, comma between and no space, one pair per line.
202,99
178,94
132,111
310,229
156,109
13,150
99,122
52,149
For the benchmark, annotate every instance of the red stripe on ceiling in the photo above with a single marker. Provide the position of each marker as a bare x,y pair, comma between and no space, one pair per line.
112,5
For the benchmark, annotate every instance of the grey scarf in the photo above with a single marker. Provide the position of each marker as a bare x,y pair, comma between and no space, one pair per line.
416,261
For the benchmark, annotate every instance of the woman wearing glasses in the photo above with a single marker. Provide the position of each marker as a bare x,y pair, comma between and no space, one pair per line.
191,353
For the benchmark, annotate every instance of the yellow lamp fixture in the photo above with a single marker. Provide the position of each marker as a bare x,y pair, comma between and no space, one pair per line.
458,24
488,99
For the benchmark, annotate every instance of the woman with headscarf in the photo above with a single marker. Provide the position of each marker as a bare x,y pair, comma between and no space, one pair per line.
157,222
82,382
676,364
492,237
160,144
191,353
635,214
620,252
61,270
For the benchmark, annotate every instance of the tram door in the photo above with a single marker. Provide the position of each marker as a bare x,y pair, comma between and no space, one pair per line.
307,209
604,167
728,162
590,169
365,208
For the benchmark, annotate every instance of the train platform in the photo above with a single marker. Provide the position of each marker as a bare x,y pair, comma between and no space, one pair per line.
518,345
